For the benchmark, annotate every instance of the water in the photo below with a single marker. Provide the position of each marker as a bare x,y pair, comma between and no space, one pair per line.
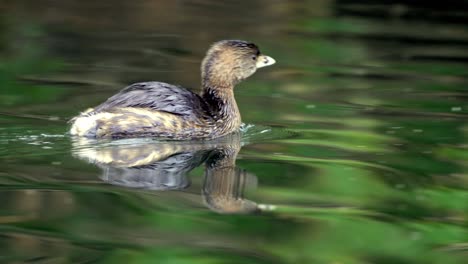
355,148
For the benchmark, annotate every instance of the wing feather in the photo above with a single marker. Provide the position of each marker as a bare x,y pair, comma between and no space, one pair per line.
157,96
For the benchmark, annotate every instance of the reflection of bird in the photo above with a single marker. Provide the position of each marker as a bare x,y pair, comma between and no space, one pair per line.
164,166
164,110
223,190
150,165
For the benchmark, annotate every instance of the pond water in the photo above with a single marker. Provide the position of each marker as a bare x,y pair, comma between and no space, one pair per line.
354,148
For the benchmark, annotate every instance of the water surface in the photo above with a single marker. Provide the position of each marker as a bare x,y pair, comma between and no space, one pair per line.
354,150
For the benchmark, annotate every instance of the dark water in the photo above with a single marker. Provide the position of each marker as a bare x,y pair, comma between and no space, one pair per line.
355,148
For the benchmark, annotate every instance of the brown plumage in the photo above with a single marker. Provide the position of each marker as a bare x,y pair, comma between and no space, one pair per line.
164,110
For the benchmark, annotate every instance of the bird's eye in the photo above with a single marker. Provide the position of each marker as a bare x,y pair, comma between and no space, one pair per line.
254,57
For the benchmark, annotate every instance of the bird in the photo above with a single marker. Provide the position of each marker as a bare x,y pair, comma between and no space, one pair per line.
162,110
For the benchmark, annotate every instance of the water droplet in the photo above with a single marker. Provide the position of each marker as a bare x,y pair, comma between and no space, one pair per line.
266,207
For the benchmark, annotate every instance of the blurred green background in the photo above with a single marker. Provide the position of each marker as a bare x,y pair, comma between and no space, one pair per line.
355,150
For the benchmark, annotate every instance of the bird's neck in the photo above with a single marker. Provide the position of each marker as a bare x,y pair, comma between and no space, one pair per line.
222,106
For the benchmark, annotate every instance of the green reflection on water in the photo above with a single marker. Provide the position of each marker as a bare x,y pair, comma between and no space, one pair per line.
372,166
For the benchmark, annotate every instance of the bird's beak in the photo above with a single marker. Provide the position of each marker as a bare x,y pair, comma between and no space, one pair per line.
263,61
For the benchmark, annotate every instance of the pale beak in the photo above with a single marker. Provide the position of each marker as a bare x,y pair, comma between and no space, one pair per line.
263,61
